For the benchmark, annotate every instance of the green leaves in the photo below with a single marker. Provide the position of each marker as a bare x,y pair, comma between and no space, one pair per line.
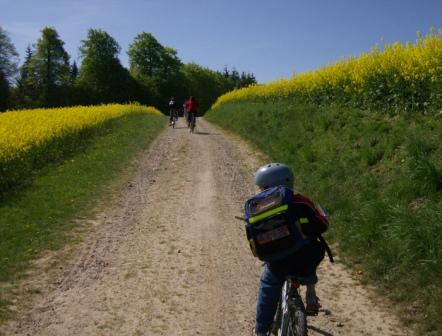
8,67
99,45
8,55
49,67
102,78
147,57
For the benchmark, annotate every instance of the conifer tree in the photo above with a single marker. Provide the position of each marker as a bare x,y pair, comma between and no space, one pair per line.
49,69
74,71
26,88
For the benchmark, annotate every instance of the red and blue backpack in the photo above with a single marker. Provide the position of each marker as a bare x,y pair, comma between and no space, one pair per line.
273,226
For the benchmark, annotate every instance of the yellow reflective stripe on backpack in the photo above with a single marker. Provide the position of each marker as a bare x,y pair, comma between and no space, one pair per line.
268,213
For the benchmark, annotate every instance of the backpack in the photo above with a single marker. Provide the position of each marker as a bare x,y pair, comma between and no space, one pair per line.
272,228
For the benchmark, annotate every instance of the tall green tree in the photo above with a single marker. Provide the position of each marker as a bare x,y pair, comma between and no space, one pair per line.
50,69
74,71
102,78
157,67
8,68
147,57
26,91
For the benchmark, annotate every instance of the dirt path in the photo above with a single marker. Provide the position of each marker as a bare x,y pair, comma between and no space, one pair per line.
167,258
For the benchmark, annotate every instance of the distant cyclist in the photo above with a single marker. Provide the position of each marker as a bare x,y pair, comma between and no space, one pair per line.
192,107
303,261
173,110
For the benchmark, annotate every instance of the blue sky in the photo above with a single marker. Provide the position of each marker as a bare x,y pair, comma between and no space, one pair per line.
270,38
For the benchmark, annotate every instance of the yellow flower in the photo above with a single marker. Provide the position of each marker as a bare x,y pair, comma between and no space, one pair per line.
394,69
23,133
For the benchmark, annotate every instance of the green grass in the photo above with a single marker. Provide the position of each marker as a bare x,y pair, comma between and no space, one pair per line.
380,177
39,217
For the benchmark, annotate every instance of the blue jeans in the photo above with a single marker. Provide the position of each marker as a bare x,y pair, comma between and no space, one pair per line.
190,116
302,264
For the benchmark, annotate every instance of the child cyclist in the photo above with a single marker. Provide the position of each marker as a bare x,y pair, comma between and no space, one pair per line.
191,106
301,262
173,110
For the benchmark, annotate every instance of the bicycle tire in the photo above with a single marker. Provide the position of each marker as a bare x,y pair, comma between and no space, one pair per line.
291,318
297,318
192,124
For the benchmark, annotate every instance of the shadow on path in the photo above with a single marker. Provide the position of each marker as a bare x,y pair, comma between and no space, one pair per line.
319,331
205,133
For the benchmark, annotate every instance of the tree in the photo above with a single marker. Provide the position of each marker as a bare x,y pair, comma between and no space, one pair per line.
25,69
49,69
4,93
147,57
8,68
246,79
234,75
102,78
156,67
206,85
74,71
226,72
237,80
26,87
171,63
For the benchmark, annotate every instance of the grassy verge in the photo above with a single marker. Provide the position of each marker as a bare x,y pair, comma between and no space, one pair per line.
39,217
380,177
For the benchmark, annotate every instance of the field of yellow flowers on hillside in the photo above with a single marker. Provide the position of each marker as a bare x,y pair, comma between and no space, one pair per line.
29,138
399,77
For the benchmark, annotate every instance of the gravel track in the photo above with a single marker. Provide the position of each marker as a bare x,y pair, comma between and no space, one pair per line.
166,257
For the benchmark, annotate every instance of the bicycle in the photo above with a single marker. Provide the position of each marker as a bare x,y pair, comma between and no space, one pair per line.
186,117
174,120
173,117
290,318
192,122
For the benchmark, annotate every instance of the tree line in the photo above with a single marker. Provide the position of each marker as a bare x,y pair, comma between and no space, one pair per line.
48,78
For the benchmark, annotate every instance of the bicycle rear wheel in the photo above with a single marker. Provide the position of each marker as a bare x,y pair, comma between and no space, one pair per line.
291,317
297,325
192,123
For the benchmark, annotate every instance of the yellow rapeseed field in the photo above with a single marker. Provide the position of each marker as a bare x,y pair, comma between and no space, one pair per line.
29,136
399,76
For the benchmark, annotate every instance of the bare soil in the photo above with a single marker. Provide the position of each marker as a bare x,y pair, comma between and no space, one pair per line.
167,257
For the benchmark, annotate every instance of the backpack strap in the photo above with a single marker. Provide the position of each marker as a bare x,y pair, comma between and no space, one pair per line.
327,248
